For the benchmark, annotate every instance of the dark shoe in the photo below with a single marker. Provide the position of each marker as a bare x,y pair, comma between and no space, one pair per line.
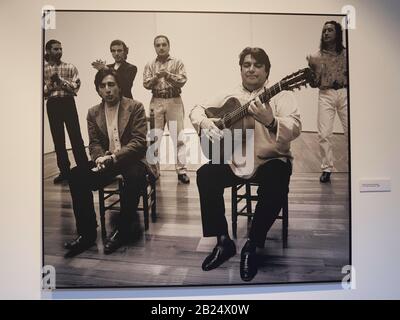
219,255
183,178
60,178
113,243
248,264
325,177
79,245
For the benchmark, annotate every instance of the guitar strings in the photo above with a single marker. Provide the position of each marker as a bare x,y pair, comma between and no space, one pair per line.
243,110
264,97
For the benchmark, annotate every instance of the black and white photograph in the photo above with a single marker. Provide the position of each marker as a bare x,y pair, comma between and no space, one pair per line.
195,148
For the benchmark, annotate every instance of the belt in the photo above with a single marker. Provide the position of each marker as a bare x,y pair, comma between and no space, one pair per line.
165,95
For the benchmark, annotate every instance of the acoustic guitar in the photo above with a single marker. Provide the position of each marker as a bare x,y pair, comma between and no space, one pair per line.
232,111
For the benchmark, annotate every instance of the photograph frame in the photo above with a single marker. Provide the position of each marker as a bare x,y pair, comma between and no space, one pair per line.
44,153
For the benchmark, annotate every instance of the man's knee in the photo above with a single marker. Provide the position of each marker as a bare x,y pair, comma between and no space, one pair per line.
211,175
76,176
135,175
203,175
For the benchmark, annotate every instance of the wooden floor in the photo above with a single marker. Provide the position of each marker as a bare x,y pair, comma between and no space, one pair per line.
172,250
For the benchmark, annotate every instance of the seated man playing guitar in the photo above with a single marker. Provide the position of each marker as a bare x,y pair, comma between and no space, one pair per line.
273,116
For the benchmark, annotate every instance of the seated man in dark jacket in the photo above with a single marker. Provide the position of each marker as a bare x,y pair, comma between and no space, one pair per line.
117,144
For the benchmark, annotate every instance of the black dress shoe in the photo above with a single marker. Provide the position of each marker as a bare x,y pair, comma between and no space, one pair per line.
79,245
60,178
219,255
113,243
325,177
183,178
248,264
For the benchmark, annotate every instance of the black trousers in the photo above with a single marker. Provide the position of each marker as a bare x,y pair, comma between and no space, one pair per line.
212,179
62,111
83,180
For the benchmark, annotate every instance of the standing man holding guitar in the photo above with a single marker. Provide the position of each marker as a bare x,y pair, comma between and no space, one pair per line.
276,122
330,67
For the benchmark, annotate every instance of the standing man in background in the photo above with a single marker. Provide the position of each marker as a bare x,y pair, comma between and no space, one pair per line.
126,71
165,76
330,67
61,83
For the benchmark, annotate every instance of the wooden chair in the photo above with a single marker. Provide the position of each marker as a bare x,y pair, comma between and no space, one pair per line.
246,209
147,195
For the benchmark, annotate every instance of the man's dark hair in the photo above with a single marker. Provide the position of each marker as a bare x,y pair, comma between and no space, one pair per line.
161,36
258,54
338,39
120,43
48,46
102,73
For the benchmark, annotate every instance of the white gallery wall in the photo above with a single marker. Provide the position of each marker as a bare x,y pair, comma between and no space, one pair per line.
374,97
208,44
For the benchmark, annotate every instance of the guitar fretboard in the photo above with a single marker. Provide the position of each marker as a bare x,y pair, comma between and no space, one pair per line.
242,111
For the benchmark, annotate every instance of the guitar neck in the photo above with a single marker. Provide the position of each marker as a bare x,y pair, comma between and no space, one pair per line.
242,111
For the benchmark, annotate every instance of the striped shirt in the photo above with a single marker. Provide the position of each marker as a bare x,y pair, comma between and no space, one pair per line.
175,79
69,80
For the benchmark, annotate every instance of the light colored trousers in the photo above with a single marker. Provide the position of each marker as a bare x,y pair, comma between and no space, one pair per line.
330,101
166,110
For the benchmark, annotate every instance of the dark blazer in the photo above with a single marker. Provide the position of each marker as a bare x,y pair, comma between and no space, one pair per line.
127,73
132,128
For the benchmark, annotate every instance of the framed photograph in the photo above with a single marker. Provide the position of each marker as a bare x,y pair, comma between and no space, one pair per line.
118,83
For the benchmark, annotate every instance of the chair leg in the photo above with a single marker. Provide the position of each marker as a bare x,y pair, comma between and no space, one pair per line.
285,223
248,198
102,213
248,207
234,211
145,208
153,202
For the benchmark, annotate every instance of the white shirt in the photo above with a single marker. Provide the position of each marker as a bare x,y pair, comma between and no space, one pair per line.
266,145
112,127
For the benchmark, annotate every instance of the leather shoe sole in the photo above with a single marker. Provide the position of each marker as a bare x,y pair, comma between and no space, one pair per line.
183,178
248,265
78,246
325,177
219,255
113,243
79,242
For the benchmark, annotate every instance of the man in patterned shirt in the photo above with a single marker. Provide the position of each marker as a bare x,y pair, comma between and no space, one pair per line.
61,83
330,66
165,76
